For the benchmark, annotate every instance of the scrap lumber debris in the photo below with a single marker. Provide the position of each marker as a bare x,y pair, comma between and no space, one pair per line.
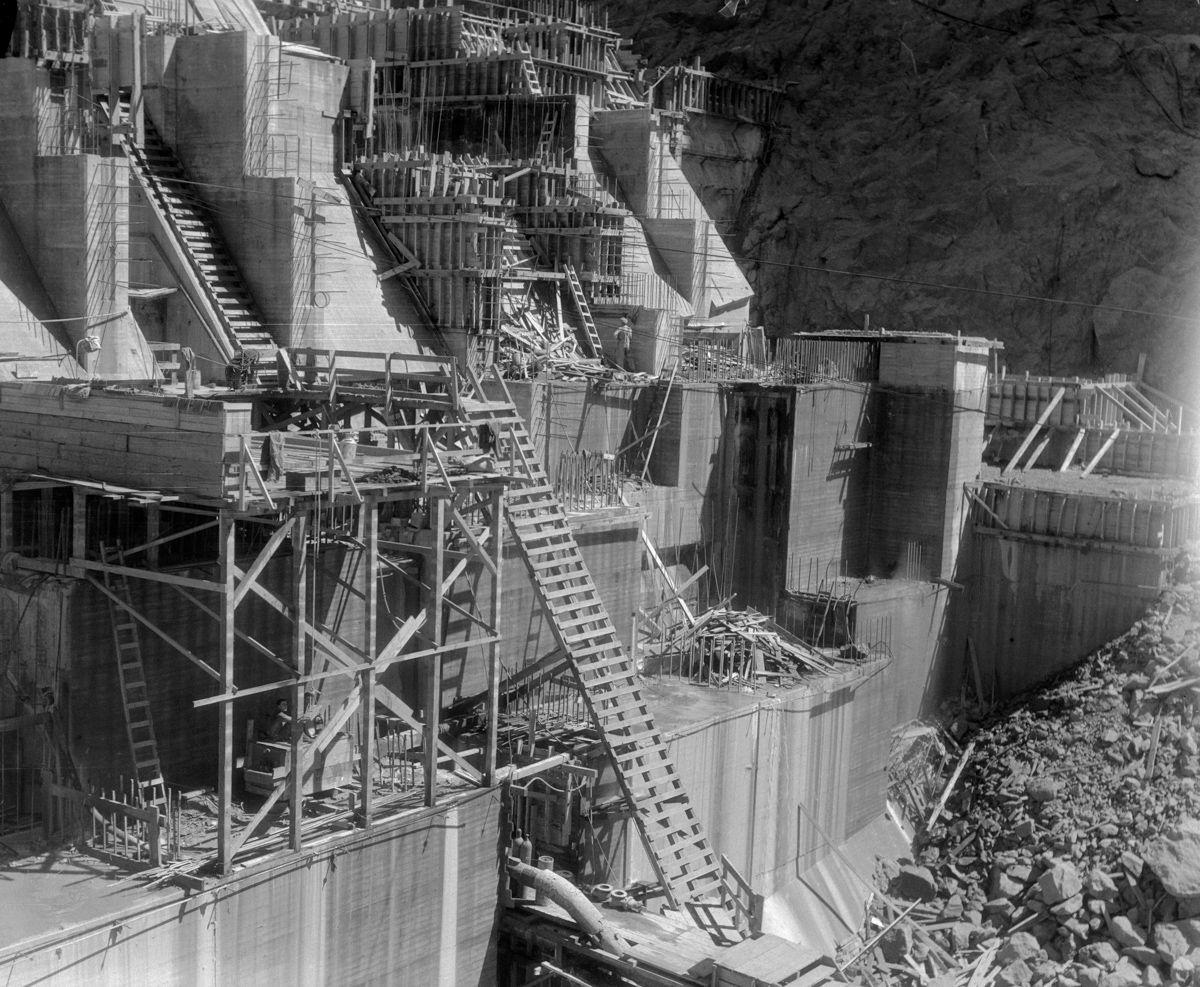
536,340
1067,850
724,647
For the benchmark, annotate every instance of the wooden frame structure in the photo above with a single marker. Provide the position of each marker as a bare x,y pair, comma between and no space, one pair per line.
260,522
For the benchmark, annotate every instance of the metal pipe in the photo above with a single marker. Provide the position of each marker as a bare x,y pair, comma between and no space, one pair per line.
573,901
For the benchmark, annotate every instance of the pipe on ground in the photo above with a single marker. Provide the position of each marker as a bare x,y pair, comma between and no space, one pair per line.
573,901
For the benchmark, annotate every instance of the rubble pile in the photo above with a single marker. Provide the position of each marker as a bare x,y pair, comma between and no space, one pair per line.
730,648
1066,846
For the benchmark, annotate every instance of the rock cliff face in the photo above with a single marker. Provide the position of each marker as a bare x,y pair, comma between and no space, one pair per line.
988,151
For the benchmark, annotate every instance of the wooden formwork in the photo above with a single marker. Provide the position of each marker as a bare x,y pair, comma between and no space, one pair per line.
1141,453
1147,523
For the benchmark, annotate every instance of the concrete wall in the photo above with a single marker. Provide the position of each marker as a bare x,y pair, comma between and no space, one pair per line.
720,157
612,552
69,213
258,131
752,514
341,914
1038,606
928,443
20,81
829,508
574,416
777,783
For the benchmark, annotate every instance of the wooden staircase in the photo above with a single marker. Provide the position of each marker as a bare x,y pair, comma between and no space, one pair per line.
670,831
161,176
131,672
591,337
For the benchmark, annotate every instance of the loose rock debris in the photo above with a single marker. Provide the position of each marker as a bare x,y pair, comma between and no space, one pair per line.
1068,850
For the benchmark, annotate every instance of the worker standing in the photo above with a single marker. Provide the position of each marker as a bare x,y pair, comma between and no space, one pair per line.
624,340
281,725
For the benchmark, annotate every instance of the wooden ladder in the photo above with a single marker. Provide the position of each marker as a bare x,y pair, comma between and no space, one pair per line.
669,828
584,310
549,125
533,85
134,695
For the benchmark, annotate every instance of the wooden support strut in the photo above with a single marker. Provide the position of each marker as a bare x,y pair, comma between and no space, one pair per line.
1095,460
1033,432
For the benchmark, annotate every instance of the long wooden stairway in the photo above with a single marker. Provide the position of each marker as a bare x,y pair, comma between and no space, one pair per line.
131,673
162,178
670,831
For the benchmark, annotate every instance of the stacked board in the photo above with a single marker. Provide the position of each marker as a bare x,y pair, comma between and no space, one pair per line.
135,440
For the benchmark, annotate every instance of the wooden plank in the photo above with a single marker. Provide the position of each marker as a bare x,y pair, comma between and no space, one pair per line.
303,657
433,694
1033,432
263,559
1108,444
1075,444
228,551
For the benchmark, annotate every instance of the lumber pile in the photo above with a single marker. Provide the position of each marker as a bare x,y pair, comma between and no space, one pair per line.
735,648
537,341
1065,845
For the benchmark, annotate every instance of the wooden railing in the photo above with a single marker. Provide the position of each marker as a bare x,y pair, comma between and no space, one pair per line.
746,902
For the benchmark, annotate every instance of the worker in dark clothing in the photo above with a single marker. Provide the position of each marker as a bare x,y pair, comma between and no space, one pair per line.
281,725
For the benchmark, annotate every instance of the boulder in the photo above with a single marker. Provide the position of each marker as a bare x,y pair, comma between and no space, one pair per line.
1042,789
1100,885
1068,908
915,883
1101,954
1014,974
1183,970
1125,932
1059,882
1175,939
1020,946
1175,859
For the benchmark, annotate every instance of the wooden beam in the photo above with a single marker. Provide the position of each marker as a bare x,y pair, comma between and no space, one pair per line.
492,704
228,551
368,523
658,562
984,507
155,543
476,545
1108,444
343,670
1034,456
149,574
245,638
433,692
393,703
154,628
651,613
278,536
1033,432
301,656
1075,444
